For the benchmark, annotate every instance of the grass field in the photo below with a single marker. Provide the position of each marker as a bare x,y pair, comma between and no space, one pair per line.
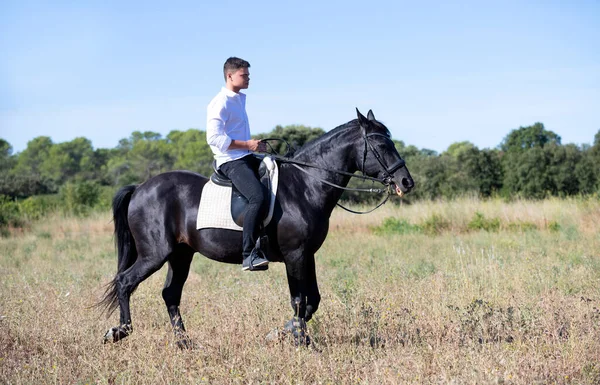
465,291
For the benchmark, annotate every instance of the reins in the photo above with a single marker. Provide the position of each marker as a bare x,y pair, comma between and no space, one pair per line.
386,180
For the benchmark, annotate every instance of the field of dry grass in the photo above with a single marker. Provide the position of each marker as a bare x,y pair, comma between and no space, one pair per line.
517,305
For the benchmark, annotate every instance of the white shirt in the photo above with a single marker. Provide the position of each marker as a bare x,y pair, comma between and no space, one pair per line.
226,120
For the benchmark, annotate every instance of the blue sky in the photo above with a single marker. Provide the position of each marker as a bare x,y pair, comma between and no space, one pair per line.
434,72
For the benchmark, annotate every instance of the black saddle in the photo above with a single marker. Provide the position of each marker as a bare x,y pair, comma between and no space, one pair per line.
238,201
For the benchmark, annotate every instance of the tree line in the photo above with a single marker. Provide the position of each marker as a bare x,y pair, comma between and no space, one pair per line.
531,162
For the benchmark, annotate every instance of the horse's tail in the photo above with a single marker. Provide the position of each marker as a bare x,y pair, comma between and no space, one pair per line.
124,242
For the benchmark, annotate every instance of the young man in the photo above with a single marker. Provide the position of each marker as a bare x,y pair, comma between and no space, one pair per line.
228,134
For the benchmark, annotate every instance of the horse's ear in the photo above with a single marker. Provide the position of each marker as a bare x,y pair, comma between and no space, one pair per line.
361,119
370,115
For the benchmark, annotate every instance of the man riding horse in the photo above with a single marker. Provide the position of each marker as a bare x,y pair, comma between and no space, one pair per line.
228,134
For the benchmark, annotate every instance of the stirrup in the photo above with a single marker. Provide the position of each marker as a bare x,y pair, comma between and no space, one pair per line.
256,261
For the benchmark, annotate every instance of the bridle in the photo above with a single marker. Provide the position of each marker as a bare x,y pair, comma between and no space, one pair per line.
387,172
386,180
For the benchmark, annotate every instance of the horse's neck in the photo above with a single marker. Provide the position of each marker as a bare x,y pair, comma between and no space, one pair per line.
335,154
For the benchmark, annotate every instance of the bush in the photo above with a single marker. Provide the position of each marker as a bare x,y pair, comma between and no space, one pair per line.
36,207
435,224
80,198
396,226
105,197
522,226
554,226
9,213
479,222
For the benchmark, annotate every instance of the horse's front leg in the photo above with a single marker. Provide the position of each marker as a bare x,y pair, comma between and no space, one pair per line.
304,296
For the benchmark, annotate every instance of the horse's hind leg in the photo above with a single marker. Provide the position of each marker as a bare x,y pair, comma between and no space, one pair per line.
179,268
126,282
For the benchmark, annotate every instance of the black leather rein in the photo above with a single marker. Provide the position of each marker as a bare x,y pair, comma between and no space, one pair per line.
386,180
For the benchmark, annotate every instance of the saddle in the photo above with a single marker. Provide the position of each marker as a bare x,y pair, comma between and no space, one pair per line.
268,175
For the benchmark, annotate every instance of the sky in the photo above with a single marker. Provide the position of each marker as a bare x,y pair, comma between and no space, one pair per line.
435,72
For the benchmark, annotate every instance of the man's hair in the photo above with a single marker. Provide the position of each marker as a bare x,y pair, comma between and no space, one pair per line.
233,64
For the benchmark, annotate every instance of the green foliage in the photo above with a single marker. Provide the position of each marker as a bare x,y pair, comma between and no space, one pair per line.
522,226
36,207
435,224
530,163
393,225
295,135
190,151
525,138
80,198
554,226
479,222
9,213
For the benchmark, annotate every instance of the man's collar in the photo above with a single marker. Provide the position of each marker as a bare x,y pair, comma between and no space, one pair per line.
229,92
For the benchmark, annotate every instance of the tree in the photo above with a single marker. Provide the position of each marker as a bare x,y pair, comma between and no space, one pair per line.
139,157
489,172
29,176
296,135
6,158
64,160
525,138
562,164
190,151
31,160
526,163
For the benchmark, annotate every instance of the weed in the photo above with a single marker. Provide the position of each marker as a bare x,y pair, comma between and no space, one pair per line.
435,224
554,226
421,269
522,226
392,226
480,222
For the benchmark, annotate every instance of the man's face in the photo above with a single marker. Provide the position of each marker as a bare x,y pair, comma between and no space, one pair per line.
239,79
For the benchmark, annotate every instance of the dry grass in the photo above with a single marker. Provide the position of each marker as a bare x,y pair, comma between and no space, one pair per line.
459,307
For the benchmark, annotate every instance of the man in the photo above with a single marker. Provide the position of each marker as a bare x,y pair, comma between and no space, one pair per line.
228,134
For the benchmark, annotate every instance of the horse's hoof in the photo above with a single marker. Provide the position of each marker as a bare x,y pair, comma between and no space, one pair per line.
108,337
117,333
185,344
297,328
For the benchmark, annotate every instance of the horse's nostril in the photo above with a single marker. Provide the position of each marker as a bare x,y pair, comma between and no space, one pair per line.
406,183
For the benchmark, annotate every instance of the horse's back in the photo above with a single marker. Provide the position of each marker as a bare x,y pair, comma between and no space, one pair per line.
172,197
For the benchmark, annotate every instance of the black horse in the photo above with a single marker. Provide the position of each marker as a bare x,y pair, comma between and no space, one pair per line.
155,222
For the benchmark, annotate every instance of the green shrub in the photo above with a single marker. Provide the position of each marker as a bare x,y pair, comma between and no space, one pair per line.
522,226
38,206
80,198
105,197
392,225
554,226
435,224
479,222
9,213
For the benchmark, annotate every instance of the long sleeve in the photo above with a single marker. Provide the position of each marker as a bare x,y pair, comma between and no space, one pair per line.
216,117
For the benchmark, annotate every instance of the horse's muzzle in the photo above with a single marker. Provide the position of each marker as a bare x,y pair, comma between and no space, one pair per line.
404,186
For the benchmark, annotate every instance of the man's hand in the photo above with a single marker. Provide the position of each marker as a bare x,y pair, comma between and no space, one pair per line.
253,145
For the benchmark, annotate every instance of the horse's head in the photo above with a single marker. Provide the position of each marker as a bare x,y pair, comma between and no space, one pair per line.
379,157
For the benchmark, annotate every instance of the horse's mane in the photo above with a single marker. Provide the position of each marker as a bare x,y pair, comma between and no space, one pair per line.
325,138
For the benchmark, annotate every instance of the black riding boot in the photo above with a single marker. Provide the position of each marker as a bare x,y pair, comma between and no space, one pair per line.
256,260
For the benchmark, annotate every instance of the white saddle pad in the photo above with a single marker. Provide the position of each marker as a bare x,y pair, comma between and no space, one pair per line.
215,203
